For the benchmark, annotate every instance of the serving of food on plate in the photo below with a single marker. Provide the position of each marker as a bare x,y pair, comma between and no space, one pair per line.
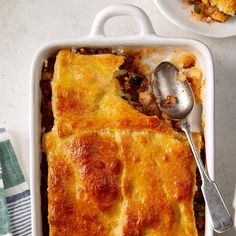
213,10
211,18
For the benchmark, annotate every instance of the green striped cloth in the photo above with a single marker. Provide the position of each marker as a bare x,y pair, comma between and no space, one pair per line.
15,211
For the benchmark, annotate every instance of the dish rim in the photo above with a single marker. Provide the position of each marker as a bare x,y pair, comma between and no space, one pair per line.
146,38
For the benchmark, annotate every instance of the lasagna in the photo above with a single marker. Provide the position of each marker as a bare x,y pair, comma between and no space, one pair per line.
116,164
213,10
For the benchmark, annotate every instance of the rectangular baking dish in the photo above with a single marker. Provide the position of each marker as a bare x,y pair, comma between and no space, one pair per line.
146,38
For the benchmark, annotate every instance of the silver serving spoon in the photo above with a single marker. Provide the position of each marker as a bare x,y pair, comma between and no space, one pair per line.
175,98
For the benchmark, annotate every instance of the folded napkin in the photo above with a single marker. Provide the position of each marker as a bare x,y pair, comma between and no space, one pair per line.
15,211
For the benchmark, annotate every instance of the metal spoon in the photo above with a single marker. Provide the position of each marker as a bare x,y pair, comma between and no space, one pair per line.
176,99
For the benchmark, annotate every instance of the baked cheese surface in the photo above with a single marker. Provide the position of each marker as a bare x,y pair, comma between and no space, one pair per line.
226,6
112,170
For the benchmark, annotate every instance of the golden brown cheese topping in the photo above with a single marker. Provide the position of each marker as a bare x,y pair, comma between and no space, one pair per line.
112,170
226,6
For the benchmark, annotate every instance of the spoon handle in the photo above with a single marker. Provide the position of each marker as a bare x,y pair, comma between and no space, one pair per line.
220,216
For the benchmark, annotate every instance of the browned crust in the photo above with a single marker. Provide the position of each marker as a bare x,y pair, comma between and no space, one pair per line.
131,181
113,170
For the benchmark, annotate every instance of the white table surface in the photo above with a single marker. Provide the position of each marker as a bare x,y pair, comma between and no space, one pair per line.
27,24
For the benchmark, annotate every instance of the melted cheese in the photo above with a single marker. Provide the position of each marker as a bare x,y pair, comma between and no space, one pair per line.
112,170
226,6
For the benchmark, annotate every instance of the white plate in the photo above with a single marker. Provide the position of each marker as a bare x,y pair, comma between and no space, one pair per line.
178,12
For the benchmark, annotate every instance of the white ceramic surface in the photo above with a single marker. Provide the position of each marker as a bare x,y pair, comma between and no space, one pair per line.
97,38
178,12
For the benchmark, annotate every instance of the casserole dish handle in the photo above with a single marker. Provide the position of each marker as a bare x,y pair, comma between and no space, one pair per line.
118,10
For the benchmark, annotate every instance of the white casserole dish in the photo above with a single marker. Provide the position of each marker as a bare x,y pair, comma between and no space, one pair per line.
146,38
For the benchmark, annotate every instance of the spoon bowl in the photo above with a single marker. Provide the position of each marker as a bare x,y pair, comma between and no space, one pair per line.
174,95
